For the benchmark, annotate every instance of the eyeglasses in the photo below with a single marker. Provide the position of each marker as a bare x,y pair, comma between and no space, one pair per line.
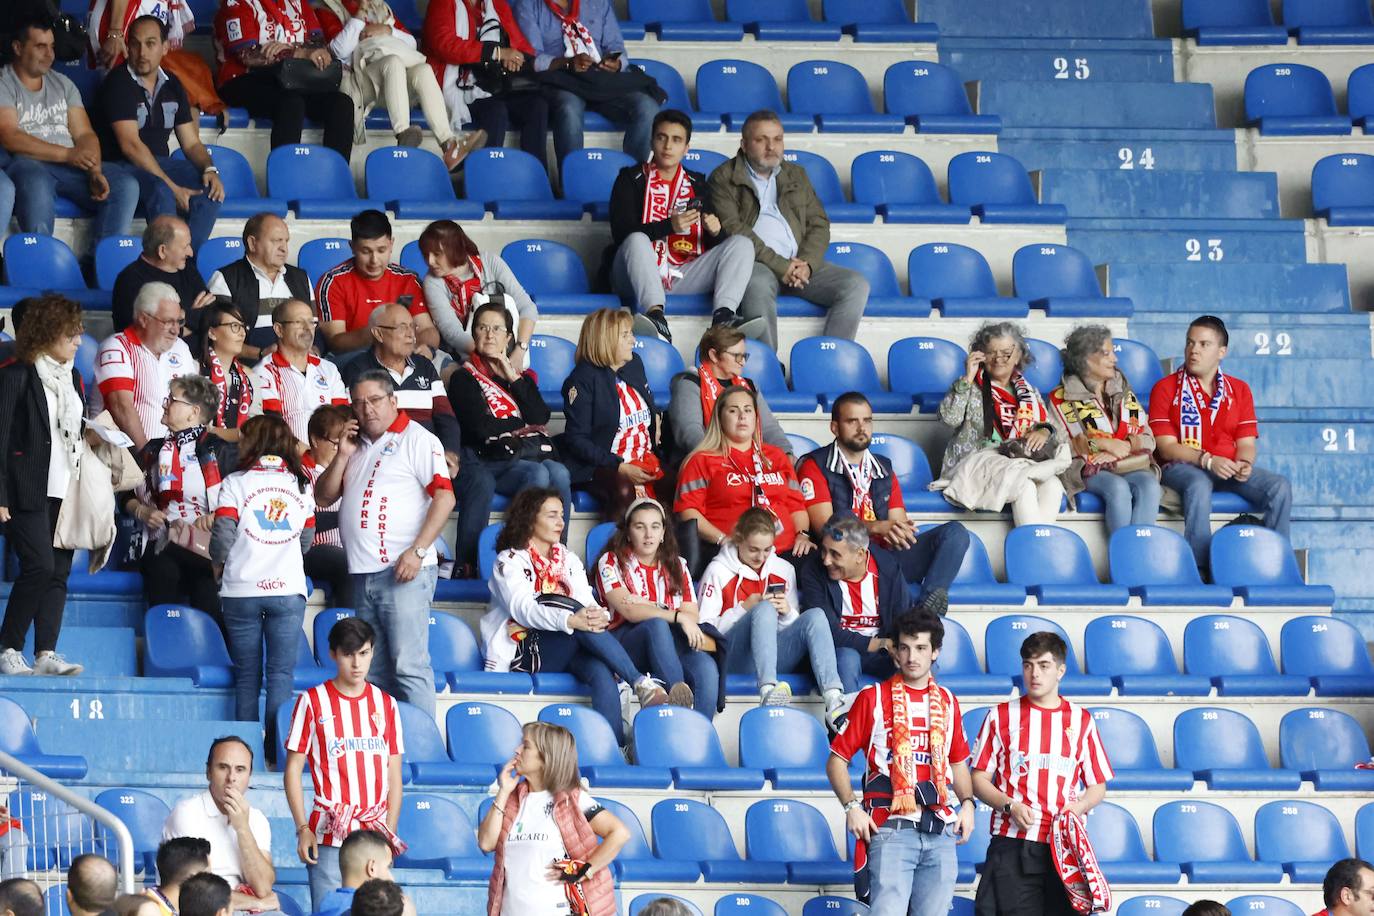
177,323
308,322
741,357
170,400
1001,354
495,330
236,327
405,329
374,401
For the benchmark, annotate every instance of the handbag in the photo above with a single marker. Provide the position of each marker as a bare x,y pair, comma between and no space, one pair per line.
69,35
526,658
297,75
1138,460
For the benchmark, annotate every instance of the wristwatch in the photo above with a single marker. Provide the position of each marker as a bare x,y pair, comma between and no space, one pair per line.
421,552
209,170
1006,809
852,804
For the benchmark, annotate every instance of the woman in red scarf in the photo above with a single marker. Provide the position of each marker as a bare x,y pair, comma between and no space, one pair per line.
224,334
545,830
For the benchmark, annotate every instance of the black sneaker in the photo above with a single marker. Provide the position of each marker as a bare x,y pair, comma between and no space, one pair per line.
936,601
653,322
749,327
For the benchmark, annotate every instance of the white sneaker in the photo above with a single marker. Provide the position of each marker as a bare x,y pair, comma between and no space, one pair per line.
779,694
836,709
650,692
12,662
52,663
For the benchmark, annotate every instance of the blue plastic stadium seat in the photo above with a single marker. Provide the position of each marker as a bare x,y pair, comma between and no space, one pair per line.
486,550
1152,905
661,362
112,254
636,860
973,719
733,88
923,368
589,174
242,198
1223,748
794,833
54,830
1264,904
780,20
1139,364
597,539
959,670
878,20
705,161
555,277
684,741
1359,94
1061,280
551,359
598,754
901,188
1136,655
41,262
684,828
959,282
55,900
638,904
319,630
1234,652
1324,745
671,82
683,20
440,836
837,95
1130,746
1302,837
1343,189
415,185
765,371
1055,566
316,181
1292,99
1002,648
184,642
834,906
997,189
826,183
143,814
932,97
801,445
216,253
1121,851
1364,830
1231,22
457,660
17,739
1329,651
912,469
789,745
975,583
1205,840
1259,565
426,760
885,297
513,185
318,256
1157,564
1329,22
747,905
1046,368
481,737
307,673
971,855
85,362
826,367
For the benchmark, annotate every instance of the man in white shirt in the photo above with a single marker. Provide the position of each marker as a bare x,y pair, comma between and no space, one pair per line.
239,835
261,280
292,381
396,492
134,368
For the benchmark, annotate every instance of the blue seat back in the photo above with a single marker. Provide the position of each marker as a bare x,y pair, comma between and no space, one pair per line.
1046,368
1127,739
705,161
830,365
684,828
976,568
597,539
878,12
1152,905
1252,555
785,830
1004,635
802,445
176,636
588,174
833,906
53,828
1364,831
1197,831
318,256
143,813
1044,271
1359,92
958,655
217,253
824,179
1298,831
112,254
1321,739
452,645
661,362
733,85
42,261
1343,180
972,722
596,743
1318,645
638,904
892,177
763,368
505,174
988,178
412,258
1151,555
1048,555
422,739
545,267
55,901
1264,905
289,906
481,733
1287,90
1298,13
909,462
637,846
1218,644
486,550
944,270
435,829
869,261
1204,14
1207,738
304,171
1115,835
669,80
748,905
671,11
766,11
235,172
406,173
1139,364
551,359
827,87
323,623
778,736
85,360
1121,644
670,736
923,87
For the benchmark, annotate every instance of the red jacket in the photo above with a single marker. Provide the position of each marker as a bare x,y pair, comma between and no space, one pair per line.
332,26
443,47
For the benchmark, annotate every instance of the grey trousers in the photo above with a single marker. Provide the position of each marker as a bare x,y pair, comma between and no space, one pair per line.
840,290
723,271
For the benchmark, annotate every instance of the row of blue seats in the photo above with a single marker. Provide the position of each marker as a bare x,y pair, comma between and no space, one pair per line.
1290,99
1251,22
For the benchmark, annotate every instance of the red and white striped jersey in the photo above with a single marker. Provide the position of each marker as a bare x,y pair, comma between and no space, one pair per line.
859,611
281,388
632,438
649,582
125,364
347,742
1041,758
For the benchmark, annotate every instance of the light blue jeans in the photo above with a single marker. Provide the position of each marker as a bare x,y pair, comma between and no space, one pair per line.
1269,491
1127,499
399,613
325,875
912,873
757,644
37,185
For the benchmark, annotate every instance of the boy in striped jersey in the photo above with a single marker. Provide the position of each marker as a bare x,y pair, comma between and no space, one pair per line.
1037,757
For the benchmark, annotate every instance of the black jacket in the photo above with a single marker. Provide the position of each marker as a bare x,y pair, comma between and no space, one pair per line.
26,437
817,589
627,206
479,425
593,415
243,290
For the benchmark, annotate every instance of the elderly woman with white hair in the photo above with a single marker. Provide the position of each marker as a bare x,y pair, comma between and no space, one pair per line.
1107,429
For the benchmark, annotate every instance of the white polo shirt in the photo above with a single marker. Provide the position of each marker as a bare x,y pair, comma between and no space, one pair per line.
271,512
281,388
387,489
198,816
124,363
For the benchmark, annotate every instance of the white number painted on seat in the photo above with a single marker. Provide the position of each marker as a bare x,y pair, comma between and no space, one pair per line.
827,345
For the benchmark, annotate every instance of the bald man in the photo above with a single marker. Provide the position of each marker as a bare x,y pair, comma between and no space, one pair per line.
20,897
166,258
261,280
92,886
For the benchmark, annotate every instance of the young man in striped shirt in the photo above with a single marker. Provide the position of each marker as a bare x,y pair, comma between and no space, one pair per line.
349,732
1037,757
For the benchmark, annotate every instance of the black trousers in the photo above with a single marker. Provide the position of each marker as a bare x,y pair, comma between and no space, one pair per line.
1019,879
527,111
40,592
176,575
328,564
260,93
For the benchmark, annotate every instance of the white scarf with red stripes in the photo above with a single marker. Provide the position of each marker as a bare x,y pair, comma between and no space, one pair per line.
662,198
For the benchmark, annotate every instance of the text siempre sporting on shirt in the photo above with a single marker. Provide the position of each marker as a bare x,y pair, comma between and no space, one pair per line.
348,742
387,489
1039,757
346,295
125,364
648,582
1228,415
271,511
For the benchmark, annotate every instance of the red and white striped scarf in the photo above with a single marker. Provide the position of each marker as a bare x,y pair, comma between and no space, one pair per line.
1017,410
234,381
460,291
711,388
551,573
1077,866
576,39
1190,395
499,400
663,198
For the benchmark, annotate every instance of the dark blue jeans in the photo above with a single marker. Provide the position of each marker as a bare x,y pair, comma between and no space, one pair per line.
1270,492
37,184
592,658
474,488
659,648
851,663
6,194
935,558
633,111
247,622
157,198
519,474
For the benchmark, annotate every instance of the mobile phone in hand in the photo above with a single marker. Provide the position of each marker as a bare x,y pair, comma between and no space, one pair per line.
775,588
